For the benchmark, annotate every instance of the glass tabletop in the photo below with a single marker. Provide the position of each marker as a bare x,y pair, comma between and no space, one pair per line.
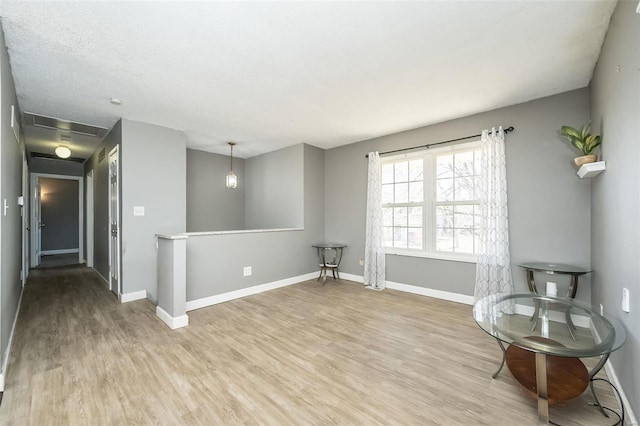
329,245
558,268
542,324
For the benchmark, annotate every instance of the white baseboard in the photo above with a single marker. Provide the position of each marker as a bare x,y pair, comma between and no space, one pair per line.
62,251
236,294
630,418
172,322
130,297
422,291
5,363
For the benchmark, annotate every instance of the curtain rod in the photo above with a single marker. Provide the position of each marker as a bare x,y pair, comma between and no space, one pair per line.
507,130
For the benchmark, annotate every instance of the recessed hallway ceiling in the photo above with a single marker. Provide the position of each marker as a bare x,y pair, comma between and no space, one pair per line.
273,74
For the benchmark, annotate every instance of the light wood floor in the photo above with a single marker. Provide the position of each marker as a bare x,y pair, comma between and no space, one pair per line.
303,354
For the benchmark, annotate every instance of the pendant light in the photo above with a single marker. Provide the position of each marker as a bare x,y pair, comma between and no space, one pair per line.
232,179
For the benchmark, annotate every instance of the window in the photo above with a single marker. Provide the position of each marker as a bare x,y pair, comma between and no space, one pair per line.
430,202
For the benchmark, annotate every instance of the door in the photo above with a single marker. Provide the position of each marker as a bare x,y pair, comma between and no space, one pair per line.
36,223
26,263
89,210
114,222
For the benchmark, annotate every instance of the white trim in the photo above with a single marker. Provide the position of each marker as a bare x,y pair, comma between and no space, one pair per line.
629,416
61,251
172,322
422,291
130,297
237,231
430,292
10,343
466,258
243,292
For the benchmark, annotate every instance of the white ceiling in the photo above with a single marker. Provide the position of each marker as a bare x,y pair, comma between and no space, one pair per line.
273,74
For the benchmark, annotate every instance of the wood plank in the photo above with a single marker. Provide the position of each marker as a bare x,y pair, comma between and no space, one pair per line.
303,354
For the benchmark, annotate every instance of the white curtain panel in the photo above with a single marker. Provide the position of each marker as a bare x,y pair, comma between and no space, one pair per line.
493,267
374,261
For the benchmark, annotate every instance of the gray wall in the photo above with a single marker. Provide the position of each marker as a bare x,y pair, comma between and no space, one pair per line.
274,189
59,213
10,189
615,197
211,206
215,262
549,217
154,177
101,199
55,167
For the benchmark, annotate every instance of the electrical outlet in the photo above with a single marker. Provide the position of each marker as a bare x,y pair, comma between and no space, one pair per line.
625,299
361,262
247,271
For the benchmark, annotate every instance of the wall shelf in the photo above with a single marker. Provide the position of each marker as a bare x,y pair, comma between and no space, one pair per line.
591,170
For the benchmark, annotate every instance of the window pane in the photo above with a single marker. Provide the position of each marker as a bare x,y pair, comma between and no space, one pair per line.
476,187
476,162
387,173
387,194
400,216
402,172
401,192
444,239
415,238
387,232
463,217
476,217
416,193
387,216
444,190
464,164
464,188
444,217
415,170
444,166
415,216
463,240
476,241
400,237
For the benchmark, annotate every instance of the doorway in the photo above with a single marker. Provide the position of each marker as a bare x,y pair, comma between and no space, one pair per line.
114,222
56,220
89,219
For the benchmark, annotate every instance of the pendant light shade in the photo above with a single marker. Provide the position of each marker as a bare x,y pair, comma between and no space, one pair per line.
232,179
63,151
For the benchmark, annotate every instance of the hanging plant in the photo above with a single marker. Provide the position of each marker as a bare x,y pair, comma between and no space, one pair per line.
583,141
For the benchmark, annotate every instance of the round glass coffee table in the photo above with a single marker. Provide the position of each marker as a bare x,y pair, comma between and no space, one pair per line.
543,352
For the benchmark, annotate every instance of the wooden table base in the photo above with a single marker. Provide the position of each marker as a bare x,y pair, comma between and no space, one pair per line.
567,378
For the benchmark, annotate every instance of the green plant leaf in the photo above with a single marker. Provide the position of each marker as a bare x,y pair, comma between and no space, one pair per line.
585,130
571,133
578,144
591,143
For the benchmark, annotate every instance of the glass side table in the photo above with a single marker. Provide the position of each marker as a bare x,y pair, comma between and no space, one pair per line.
330,256
553,269
545,360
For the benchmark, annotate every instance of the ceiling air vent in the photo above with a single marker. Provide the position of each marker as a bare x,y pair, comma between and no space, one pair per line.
60,124
53,157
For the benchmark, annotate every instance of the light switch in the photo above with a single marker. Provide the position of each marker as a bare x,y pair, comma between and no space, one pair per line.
138,210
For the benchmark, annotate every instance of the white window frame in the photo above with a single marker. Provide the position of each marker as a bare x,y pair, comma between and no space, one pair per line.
429,202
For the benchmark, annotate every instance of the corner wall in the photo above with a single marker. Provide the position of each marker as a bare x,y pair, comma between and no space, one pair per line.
211,206
154,176
100,169
11,152
615,203
548,205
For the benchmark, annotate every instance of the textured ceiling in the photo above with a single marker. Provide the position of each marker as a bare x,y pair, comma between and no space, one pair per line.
273,74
